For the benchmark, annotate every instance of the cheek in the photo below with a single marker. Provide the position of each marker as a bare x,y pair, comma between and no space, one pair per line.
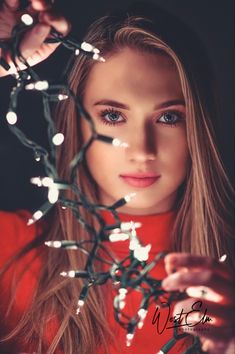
181,153
100,159
174,148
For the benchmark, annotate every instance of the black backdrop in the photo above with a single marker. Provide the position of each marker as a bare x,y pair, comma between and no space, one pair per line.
213,20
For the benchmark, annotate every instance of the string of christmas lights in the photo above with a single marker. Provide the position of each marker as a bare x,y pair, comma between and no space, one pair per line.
126,275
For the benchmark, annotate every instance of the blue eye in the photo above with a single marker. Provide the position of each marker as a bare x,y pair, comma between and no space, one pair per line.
111,117
171,118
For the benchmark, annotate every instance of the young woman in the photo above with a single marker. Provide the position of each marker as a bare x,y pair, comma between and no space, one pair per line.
156,93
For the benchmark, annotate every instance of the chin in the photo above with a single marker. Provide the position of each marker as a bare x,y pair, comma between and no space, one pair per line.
141,206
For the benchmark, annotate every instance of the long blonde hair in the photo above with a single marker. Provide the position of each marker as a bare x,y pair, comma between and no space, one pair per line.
203,222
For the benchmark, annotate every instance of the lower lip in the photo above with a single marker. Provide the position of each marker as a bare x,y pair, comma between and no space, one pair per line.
140,182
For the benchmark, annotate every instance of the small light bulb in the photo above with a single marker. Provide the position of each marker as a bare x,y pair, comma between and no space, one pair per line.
77,51
27,19
58,139
30,222
11,117
118,237
41,85
118,143
122,293
129,338
71,273
134,244
53,194
64,274
80,305
142,253
142,314
122,304
47,182
36,216
140,324
55,244
87,47
62,97
130,196
37,181
102,59
30,86
126,226
223,258
95,56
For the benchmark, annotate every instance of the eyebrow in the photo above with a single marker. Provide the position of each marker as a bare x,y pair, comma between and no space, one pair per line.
112,103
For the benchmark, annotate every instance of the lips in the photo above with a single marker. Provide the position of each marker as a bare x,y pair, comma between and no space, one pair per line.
140,180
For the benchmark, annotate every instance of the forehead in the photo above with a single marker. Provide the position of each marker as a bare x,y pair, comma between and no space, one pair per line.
132,74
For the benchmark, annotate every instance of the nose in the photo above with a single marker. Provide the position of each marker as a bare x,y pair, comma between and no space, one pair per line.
142,144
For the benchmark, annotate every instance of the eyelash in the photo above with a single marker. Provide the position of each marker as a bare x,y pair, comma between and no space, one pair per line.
113,111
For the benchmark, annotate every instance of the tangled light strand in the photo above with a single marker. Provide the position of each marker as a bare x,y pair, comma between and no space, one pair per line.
126,275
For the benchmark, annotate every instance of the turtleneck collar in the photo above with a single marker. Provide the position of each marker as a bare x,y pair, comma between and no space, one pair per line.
155,230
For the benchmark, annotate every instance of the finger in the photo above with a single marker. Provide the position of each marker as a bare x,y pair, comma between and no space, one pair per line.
59,23
219,346
11,4
41,5
33,39
182,280
203,292
205,312
173,261
196,323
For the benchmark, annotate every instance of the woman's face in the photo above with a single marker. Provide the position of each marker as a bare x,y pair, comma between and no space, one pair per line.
137,97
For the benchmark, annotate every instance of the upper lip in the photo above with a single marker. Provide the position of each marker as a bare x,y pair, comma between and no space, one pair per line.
140,175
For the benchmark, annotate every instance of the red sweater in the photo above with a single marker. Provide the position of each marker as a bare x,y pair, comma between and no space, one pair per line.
155,230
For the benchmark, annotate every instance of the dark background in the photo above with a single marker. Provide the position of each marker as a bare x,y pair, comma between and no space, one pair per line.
214,23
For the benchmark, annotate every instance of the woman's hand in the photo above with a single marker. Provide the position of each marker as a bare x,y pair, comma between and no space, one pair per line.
211,282
32,46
